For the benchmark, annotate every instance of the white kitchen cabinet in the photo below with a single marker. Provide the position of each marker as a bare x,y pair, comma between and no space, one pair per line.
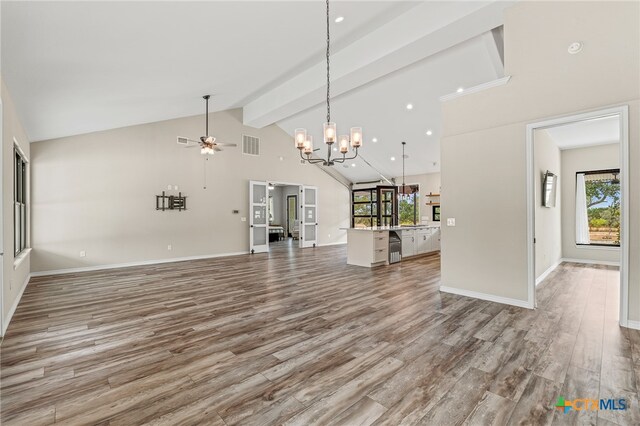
408,242
423,241
367,247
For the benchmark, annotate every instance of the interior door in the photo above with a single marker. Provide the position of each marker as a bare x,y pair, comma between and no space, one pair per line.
309,217
258,217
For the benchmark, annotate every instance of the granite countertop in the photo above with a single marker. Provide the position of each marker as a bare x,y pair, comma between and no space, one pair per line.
391,228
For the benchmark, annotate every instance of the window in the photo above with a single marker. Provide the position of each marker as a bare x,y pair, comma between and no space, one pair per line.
20,203
408,204
374,207
598,208
364,208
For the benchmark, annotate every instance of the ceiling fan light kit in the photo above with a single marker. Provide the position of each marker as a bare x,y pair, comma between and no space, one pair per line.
304,141
208,144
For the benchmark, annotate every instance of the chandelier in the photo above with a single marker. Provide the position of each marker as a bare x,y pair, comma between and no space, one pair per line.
304,141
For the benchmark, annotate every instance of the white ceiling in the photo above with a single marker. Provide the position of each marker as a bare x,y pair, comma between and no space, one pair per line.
79,67
599,131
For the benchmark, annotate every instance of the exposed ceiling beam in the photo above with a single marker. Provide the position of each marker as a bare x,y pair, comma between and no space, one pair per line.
410,37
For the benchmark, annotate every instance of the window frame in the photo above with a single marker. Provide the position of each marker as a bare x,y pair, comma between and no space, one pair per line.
597,172
20,201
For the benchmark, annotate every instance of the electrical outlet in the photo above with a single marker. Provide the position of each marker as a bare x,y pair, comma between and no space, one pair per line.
243,219
169,247
451,221
83,253
169,187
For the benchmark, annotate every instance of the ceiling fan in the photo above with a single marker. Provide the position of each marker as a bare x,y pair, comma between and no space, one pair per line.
208,144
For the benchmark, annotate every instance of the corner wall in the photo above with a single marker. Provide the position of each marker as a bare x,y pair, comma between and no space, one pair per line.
96,193
15,274
484,136
548,226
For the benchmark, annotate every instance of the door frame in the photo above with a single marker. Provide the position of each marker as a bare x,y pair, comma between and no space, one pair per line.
622,112
252,246
301,218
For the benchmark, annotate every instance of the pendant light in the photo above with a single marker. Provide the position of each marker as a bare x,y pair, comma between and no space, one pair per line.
404,187
304,141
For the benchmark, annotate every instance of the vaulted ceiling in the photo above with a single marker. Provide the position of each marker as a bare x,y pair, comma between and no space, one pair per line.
79,67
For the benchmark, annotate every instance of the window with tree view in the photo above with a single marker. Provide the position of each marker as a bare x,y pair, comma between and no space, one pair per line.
408,205
602,198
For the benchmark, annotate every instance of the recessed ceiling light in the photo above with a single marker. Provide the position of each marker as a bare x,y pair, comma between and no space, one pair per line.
409,106
429,132
353,164
393,158
339,19
374,140
575,47
460,89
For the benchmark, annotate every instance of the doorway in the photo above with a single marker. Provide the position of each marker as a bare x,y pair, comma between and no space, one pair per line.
282,214
587,174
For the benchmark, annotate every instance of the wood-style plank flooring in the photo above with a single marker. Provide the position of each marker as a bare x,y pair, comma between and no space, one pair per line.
298,337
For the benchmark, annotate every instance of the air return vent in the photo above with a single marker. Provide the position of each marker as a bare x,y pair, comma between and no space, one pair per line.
183,141
250,145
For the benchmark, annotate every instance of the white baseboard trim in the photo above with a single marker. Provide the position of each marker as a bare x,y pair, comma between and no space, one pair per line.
12,310
633,324
590,262
546,273
129,264
484,296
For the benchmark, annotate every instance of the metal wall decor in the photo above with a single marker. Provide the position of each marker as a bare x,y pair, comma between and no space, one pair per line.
171,202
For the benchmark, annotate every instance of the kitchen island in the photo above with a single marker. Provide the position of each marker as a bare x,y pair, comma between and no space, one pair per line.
382,245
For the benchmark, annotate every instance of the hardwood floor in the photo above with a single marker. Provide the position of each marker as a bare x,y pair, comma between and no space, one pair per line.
299,337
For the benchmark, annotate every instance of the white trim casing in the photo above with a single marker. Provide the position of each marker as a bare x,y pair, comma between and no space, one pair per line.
484,296
129,264
633,324
6,321
623,113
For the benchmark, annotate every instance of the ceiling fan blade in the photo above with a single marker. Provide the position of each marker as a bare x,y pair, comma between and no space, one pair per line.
215,148
226,144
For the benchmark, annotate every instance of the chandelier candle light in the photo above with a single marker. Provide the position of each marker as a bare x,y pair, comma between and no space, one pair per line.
304,141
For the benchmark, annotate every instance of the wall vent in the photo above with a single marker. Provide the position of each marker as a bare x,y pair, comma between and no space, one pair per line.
183,141
250,145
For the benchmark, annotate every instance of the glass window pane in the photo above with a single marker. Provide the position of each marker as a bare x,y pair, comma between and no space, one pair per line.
16,228
259,194
603,207
361,196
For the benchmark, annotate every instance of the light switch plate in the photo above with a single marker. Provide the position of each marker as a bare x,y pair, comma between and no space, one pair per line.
451,221
243,219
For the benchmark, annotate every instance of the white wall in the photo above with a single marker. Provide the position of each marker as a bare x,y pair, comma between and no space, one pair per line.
579,160
548,226
15,272
484,136
277,212
96,192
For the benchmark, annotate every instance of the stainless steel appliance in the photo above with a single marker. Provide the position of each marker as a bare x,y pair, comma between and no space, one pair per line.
395,247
